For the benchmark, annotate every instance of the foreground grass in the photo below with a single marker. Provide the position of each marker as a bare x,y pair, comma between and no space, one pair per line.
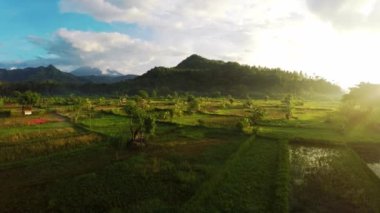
161,177
252,180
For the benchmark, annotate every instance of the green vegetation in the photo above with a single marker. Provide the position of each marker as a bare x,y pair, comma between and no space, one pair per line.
184,153
141,124
248,182
27,99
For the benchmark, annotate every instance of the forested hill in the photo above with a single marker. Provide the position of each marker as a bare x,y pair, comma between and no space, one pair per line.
39,74
51,74
202,76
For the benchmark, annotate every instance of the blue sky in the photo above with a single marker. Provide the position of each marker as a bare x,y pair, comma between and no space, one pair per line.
335,39
21,19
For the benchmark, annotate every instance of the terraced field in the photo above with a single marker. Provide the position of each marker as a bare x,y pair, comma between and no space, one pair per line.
198,162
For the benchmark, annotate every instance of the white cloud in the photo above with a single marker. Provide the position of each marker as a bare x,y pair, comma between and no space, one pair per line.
215,28
296,35
347,14
114,50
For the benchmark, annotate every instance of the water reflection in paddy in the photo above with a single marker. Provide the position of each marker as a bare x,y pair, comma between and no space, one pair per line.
308,161
330,179
375,167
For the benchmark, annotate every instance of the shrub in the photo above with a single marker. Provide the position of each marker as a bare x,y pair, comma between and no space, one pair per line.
257,114
244,125
5,114
201,122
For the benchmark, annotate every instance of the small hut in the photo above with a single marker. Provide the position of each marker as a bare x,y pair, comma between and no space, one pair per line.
27,110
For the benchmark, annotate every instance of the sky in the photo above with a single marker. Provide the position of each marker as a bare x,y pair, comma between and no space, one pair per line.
338,40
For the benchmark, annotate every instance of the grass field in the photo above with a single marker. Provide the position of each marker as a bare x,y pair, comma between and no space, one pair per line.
248,182
199,162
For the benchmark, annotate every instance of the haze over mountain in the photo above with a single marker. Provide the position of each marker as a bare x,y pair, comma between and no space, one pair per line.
86,71
95,75
93,71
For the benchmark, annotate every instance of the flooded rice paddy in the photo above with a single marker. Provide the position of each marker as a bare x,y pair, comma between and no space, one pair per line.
330,179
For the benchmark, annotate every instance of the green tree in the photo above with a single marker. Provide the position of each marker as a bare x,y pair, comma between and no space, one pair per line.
361,106
257,115
249,104
193,104
102,101
244,125
365,96
141,124
143,103
88,106
154,93
231,100
288,106
150,125
143,94
78,106
28,98
249,124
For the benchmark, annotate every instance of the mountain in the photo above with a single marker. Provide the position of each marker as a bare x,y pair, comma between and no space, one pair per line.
198,62
202,76
52,74
39,74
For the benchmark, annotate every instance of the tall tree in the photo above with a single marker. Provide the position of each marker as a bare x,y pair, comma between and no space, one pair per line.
27,99
288,106
141,124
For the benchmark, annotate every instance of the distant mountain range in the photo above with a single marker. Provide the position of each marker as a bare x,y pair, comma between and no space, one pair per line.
194,75
38,74
52,74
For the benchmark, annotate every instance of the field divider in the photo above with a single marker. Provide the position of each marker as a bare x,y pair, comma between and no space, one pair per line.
82,127
282,184
216,179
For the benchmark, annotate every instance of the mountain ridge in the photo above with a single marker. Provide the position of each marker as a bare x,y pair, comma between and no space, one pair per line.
193,75
41,73
53,74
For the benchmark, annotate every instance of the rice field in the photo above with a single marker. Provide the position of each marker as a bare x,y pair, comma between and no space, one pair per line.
197,162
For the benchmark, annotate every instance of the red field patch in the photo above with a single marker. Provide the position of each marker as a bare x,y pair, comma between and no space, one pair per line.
38,121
